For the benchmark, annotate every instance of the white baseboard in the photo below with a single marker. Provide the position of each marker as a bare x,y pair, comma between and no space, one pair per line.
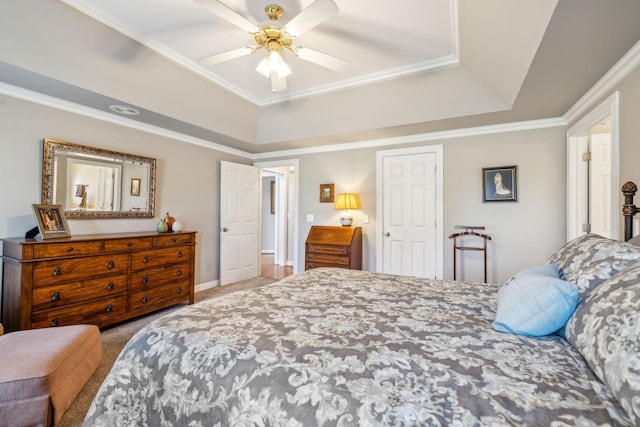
268,251
207,285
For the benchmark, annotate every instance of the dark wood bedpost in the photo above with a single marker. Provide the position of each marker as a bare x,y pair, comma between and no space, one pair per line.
629,189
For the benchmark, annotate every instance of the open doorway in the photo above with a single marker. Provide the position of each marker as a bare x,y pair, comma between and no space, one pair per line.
592,173
279,230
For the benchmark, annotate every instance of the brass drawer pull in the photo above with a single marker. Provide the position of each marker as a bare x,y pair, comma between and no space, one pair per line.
341,260
180,255
70,249
145,279
312,257
111,265
179,272
174,240
57,271
55,322
110,286
342,251
312,250
145,259
145,299
179,290
129,244
55,296
109,308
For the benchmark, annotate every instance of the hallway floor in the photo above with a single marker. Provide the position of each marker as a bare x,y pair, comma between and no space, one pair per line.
272,271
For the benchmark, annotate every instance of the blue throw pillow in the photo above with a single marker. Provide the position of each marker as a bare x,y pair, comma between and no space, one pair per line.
546,270
535,302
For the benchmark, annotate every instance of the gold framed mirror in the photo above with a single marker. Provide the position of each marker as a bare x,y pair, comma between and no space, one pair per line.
92,183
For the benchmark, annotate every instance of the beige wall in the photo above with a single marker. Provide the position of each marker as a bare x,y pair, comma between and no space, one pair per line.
630,128
187,186
524,233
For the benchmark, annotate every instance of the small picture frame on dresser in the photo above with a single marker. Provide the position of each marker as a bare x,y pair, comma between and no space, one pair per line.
52,223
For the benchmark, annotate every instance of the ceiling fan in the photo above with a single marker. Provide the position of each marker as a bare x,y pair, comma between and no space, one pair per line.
276,39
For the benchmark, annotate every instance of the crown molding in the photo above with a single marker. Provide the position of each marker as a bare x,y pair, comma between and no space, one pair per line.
60,104
424,137
607,83
71,107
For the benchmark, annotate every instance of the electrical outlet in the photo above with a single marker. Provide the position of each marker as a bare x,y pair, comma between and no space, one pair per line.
309,217
365,219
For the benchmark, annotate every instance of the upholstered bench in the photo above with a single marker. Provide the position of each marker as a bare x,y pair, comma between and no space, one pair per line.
43,370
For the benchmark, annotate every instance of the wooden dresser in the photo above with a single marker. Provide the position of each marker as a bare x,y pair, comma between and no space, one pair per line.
334,247
95,279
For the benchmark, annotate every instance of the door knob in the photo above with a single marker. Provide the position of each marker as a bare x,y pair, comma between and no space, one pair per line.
225,229
387,234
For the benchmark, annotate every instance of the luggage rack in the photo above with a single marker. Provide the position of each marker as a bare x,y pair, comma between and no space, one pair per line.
469,230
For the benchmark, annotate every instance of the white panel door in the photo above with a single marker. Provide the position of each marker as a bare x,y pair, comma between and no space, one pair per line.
409,215
600,185
239,222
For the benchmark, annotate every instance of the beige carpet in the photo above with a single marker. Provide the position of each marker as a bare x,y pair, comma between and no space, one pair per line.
114,338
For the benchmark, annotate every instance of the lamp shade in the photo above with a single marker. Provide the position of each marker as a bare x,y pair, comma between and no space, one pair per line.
346,201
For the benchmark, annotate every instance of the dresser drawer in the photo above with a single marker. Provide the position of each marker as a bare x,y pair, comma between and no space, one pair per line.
172,239
53,296
328,249
63,270
116,245
176,291
325,258
159,257
314,264
65,249
93,313
153,277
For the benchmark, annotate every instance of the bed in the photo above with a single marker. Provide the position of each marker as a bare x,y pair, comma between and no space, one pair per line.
337,347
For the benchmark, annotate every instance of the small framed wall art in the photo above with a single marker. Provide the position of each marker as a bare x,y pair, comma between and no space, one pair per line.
51,221
500,184
327,193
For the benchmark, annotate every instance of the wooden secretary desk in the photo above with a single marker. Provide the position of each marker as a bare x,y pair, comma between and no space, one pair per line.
328,246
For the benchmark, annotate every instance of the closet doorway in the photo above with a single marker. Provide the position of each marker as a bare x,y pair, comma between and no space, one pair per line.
410,211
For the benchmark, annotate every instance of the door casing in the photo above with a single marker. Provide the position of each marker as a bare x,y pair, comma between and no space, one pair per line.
577,173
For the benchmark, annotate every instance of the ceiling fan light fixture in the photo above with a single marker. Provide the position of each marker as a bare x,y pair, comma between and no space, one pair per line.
273,63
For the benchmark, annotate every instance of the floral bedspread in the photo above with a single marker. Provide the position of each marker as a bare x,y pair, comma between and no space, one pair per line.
336,347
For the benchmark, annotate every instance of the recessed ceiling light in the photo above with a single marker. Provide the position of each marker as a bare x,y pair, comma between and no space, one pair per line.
124,110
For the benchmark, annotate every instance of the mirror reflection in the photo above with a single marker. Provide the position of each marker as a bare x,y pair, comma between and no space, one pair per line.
94,183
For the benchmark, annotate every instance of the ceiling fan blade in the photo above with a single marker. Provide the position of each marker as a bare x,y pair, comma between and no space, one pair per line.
278,84
314,14
225,12
324,60
226,56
